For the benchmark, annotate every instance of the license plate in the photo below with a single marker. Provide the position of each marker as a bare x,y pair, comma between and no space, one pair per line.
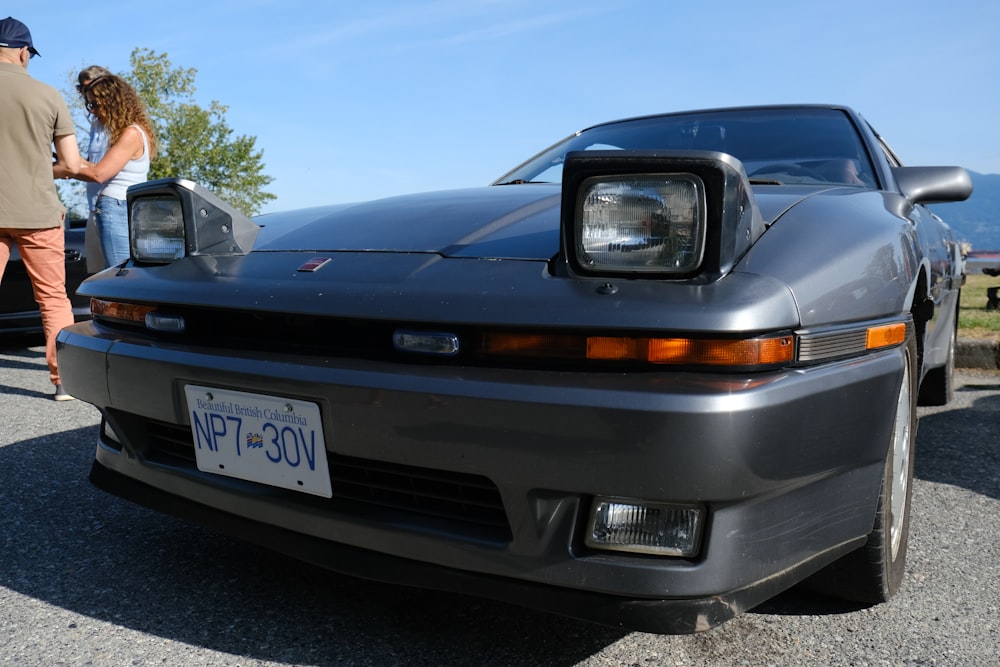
267,439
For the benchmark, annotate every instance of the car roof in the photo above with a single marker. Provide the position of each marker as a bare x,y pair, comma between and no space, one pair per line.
758,107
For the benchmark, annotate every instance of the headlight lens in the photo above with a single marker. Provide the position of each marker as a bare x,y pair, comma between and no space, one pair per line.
644,223
157,229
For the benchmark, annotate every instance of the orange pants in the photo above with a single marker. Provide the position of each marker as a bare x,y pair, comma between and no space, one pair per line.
44,258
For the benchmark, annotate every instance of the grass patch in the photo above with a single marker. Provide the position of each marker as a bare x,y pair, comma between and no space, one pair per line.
974,321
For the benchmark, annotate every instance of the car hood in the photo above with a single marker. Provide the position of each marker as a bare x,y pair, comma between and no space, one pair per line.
509,222
497,222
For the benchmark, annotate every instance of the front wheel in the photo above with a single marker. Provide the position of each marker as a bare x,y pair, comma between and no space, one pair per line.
873,573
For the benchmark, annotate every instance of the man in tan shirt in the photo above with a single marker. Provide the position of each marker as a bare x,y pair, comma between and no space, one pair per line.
34,118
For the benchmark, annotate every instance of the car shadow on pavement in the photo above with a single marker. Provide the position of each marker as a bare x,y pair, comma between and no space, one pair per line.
962,447
23,359
33,358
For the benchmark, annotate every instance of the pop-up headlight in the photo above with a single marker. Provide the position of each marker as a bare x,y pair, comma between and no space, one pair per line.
651,214
173,218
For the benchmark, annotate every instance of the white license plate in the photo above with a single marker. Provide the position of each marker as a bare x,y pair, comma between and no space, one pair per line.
266,439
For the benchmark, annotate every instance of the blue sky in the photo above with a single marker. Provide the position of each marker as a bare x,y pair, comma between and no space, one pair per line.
352,101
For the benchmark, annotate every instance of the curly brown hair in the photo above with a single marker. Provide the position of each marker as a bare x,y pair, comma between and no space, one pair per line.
120,107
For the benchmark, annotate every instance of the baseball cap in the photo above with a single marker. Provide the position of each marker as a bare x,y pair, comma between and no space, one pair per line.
14,34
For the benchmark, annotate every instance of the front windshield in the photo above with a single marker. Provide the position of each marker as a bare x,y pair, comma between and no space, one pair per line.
779,146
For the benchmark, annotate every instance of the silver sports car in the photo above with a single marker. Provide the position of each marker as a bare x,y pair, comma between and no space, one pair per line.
658,373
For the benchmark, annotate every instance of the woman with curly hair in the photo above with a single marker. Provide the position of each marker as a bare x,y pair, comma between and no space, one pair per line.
131,146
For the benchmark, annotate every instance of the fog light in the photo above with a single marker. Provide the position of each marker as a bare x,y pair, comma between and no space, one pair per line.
619,524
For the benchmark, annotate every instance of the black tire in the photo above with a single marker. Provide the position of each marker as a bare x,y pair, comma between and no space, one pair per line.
873,573
938,387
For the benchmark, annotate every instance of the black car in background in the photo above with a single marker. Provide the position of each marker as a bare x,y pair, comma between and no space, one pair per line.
18,310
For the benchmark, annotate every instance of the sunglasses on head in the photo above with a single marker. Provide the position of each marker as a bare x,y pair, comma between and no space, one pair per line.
84,85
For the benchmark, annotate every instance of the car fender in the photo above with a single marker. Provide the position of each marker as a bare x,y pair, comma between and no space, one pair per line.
844,256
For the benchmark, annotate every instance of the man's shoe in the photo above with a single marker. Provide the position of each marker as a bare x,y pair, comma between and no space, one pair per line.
61,394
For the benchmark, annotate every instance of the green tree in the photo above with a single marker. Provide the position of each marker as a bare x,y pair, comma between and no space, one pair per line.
193,142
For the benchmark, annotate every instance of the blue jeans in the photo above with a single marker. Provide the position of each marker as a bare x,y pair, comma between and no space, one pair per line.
112,227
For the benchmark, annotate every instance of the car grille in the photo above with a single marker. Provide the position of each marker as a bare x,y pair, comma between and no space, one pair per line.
469,505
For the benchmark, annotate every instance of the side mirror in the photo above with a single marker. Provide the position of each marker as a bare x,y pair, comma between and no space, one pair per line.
933,185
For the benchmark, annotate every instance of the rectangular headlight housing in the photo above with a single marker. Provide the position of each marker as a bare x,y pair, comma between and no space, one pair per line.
643,223
173,218
637,526
655,214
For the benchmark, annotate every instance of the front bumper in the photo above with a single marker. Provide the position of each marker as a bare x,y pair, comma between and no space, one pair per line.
788,466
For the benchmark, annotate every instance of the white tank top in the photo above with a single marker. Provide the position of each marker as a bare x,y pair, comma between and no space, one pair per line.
134,171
